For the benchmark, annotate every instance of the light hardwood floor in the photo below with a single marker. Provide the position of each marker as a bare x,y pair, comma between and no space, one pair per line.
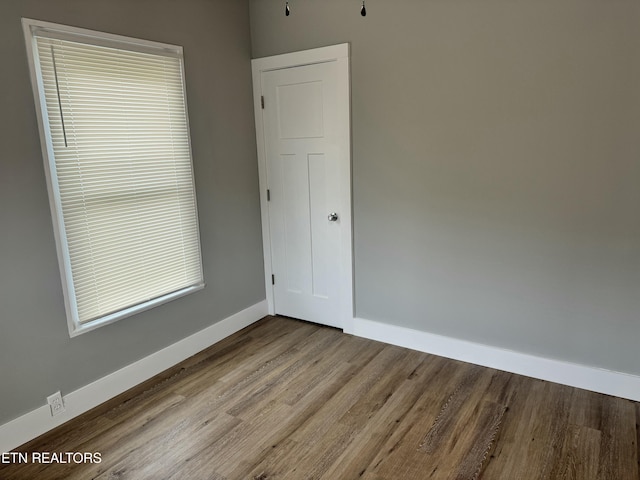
285,399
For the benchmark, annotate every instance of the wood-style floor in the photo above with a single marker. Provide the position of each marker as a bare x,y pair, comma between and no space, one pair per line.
285,399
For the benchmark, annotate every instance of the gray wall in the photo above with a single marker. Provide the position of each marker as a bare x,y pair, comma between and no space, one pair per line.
496,166
37,357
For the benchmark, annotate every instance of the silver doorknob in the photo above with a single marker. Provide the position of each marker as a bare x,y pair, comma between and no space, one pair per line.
333,217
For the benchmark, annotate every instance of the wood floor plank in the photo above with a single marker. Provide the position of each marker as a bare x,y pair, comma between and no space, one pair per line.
409,432
580,456
549,430
317,441
532,429
430,447
178,445
274,461
277,455
586,408
450,412
362,350
301,386
321,344
316,455
229,451
637,407
285,399
222,361
335,408
356,460
374,398
510,445
259,359
115,442
364,373
166,430
618,440
480,434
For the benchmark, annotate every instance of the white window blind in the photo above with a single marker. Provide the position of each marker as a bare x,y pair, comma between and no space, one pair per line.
121,174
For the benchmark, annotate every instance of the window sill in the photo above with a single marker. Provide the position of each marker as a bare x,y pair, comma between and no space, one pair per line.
76,328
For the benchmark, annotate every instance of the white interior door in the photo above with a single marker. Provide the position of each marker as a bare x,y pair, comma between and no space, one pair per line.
305,133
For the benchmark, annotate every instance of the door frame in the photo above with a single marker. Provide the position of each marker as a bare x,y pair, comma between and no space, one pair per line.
340,55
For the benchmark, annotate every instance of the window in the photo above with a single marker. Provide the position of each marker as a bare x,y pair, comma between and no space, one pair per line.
115,136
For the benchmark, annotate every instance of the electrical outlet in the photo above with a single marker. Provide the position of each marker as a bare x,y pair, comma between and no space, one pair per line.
56,404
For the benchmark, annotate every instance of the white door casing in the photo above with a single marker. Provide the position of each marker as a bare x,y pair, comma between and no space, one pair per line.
304,161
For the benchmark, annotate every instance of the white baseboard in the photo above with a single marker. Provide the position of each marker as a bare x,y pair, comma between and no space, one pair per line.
38,421
575,375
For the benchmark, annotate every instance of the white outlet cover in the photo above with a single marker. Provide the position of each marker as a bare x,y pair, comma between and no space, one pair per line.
56,403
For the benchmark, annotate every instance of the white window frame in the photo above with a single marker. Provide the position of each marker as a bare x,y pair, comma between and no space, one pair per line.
31,28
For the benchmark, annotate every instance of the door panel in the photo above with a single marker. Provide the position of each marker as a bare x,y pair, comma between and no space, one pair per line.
300,110
320,233
295,203
303,131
